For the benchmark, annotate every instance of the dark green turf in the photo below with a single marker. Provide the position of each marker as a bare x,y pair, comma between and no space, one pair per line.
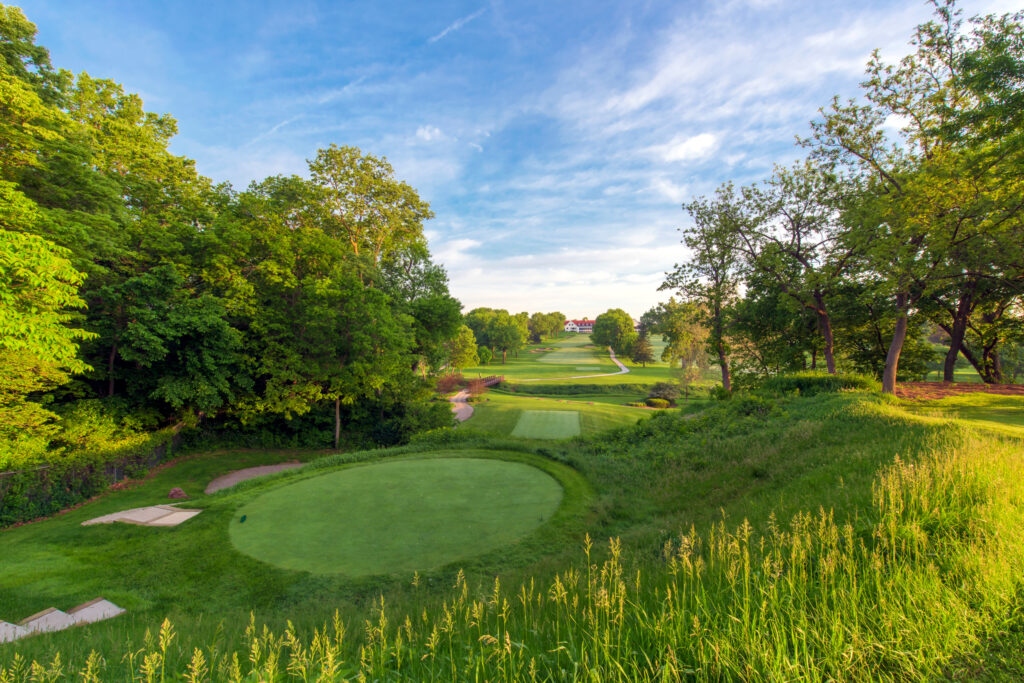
395,516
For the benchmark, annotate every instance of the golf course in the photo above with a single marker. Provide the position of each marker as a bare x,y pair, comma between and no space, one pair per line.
511,342
533,402
400,516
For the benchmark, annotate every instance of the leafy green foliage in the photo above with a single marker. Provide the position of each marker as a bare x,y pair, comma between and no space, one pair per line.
642,351
462,350
666,391
484,354
614,328
811,383
310,300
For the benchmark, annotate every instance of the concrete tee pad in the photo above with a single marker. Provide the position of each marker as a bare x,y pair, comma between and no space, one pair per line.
153,515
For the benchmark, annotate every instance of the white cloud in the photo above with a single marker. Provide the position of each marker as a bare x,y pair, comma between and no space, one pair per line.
454,253
575,281
684,148
428,133
669,190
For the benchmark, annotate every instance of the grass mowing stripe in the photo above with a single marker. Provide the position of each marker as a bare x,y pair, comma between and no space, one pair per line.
396,517
547,424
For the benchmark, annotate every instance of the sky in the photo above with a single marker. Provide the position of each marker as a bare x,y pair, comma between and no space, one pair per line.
555,141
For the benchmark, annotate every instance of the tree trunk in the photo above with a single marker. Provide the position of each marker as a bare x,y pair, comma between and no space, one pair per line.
992,366
723,363
504,352
972,359
892,358
825,324
956,334
814,359
110,370
337,423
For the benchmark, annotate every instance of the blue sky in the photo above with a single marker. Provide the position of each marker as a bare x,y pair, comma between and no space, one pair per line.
554,140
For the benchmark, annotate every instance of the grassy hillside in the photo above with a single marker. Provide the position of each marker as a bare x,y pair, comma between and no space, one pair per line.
838,536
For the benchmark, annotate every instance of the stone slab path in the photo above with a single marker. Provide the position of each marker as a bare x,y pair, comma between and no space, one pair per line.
53,619
152,515
231,478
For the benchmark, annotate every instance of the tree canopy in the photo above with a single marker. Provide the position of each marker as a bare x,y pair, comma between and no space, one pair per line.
136,280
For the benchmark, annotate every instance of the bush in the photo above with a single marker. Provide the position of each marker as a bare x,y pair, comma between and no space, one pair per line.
658,403
449,383
476,387
719,393
666,391
811,383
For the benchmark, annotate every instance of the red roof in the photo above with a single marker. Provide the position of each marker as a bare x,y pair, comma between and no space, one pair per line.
580,322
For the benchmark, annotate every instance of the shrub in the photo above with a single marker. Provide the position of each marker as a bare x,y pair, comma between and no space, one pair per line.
658,403
811,383
449,383
719,393
749,405
666,391
476,387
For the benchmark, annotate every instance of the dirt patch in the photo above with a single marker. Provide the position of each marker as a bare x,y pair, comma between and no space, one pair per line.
930,391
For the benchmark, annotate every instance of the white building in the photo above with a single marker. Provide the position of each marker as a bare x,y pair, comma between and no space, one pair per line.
579,326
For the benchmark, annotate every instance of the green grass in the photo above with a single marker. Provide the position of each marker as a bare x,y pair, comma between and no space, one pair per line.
834,537
547,424
500,413
989,411
395,517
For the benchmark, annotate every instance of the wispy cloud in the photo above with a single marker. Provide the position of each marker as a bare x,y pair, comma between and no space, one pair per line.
273,129
555,154
456,25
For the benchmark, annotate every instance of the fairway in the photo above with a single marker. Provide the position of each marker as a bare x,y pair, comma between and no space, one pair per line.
395,517
547,424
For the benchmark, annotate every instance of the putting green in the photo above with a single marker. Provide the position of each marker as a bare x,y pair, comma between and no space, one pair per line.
547,424
395,516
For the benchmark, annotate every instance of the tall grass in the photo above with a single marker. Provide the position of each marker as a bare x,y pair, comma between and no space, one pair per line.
897,591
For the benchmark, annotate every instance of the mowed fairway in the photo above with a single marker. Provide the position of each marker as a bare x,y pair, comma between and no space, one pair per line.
547,424
500,413
572,355
396,516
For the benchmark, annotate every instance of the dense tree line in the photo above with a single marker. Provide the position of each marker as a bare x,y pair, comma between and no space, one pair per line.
856,253
495,329
127,276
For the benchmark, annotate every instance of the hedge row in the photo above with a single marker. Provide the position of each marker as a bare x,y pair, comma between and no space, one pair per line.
44,490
